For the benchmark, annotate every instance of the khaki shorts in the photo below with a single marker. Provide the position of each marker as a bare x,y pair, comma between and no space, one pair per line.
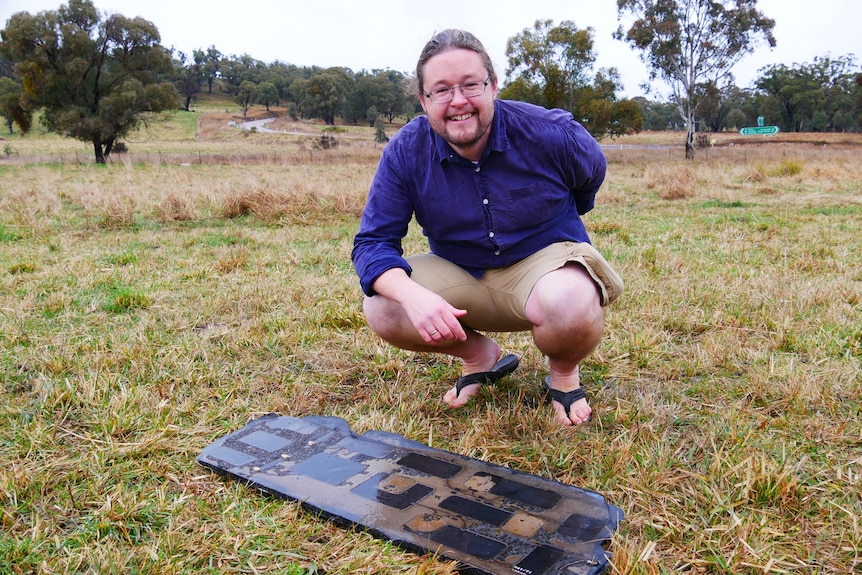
496,302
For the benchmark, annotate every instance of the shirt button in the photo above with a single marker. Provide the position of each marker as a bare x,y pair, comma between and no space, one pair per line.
491,235
485,201
497,253
478,168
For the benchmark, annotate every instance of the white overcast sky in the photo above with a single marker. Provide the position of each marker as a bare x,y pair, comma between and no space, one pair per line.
373,34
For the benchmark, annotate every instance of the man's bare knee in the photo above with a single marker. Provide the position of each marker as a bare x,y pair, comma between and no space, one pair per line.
568,292
382,314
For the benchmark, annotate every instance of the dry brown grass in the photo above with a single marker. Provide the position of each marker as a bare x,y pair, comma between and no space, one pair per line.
149,308
187,193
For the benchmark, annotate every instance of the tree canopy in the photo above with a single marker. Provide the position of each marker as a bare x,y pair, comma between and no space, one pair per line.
94,79
692,43
819,96
551,65
189,76
323,94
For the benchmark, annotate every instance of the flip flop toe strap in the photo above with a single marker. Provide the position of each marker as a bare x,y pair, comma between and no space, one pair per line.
481,377
501,369
567,398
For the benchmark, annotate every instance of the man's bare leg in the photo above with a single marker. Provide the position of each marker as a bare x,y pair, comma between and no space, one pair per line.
478,353
568,321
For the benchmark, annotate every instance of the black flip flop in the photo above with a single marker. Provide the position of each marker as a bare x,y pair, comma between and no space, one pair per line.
565,398
504,366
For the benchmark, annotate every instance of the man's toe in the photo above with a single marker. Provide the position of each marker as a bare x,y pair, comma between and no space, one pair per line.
580,413
454,398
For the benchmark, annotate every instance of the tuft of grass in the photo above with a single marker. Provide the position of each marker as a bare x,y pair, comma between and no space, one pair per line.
122,259
8,235
123,300
22,268
175,208
788,167
672,182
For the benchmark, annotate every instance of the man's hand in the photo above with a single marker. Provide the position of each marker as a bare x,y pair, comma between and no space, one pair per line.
433,317
435,320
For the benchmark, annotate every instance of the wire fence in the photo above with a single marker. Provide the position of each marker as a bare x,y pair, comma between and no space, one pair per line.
280,156
732,153
370,152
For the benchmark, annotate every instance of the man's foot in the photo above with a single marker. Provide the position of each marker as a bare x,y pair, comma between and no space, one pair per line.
479,372
569,403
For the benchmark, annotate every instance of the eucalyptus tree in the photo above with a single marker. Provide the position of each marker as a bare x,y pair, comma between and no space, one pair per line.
323,94
189,76
556,58
210,62
403,100
816,96
95,80
552,66
267,94
371,93
691,43
245,96
234,70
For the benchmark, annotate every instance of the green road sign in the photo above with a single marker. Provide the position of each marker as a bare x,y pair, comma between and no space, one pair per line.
752,130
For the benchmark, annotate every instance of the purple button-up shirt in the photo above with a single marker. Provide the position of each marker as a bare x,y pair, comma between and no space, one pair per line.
539,174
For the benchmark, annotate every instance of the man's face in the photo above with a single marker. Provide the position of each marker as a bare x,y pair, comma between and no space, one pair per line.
463,122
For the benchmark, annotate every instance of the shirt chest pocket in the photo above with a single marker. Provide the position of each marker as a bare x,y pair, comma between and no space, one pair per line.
531,206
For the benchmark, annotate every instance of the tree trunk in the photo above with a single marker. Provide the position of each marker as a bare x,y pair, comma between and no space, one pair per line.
689,144
689,138
100,156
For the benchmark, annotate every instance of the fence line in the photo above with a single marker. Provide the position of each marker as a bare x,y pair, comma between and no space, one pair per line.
364,154
200,157
732,153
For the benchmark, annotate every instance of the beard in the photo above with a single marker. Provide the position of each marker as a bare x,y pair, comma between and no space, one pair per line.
464,134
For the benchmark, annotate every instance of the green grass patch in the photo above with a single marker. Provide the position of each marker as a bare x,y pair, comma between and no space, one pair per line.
8,235
22,268
724,204
123,300
120,299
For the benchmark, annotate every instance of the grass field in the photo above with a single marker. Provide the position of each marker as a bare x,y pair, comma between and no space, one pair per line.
148,308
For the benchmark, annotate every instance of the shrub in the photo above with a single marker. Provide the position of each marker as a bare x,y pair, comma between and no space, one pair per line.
380,134
789,167
324,142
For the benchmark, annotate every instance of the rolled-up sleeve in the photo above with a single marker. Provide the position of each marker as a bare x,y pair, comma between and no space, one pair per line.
387,214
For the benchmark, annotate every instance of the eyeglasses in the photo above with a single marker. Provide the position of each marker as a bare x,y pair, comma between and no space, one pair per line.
470,90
